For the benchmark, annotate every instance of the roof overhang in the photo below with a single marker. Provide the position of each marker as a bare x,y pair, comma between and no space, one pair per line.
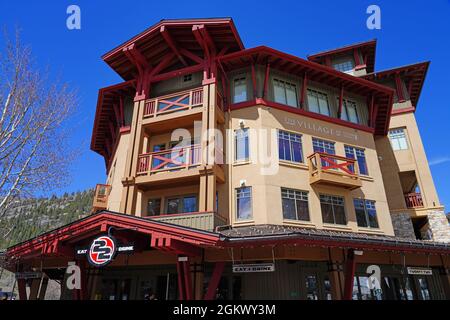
173,37
383,95
367,48
108,106
413,75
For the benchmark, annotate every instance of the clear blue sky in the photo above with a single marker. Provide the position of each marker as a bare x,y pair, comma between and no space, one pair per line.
411,31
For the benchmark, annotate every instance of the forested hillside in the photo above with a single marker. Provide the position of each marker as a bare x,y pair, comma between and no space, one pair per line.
33,216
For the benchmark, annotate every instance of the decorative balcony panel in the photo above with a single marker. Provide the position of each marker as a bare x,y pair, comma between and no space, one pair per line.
169,160
101,194
329,169
414,200
199,220
176,102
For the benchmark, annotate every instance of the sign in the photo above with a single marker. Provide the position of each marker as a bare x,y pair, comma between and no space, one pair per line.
28,275
102,251
247,268
419,271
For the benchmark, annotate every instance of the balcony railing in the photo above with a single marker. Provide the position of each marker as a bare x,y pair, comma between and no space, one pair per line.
101,197
169,160
335,170
173,103
199,220
414,200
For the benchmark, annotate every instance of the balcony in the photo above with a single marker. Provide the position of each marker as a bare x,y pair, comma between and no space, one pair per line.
413,200
101,195
181,158
177,102
329,169
199,220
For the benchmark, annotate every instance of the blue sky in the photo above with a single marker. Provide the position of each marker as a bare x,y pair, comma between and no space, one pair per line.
410,32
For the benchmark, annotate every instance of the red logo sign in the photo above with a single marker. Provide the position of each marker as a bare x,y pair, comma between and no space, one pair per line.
102,251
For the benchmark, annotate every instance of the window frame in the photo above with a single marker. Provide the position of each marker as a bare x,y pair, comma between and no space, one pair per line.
356,158
403,130
240,77
303,192
345,107
291,147
333,209
344,61
235,142
236,190
366,213
160,205
285,83
181,197
316,93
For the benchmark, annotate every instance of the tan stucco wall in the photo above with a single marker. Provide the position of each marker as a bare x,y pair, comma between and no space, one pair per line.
117,172
266,191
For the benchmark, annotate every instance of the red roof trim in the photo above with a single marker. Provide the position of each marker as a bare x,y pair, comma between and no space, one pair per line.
343,49
175,22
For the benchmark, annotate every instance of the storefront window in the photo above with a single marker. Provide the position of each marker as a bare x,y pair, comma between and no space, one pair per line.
311,287
423,287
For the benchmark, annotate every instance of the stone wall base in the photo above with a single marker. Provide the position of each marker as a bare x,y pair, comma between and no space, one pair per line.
439,226
403,227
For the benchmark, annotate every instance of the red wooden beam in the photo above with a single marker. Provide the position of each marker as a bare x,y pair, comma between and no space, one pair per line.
350,268
162,64
198,37
22,286
177,73
117,114
371,101
399,88
214,281
356,57
180,280
304,91
187,280
266,81
341,101
191,55
171,43
255,95
121,112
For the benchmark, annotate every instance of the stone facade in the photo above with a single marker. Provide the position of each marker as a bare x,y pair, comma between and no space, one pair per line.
403,226
439,226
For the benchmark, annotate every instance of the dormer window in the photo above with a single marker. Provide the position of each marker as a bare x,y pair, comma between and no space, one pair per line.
349,111
239,89
345,66
285,92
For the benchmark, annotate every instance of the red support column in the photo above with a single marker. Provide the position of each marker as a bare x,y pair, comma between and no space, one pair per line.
266,81
214,281
304,91
22,286
187,280
180,281
255,94
356,57
399,87
350,267
371,107
341,100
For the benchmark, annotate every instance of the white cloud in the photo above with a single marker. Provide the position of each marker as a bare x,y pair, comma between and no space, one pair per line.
439,160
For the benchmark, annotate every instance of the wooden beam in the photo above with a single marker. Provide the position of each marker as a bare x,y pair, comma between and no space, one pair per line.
171,43
266,81
255,93
187,280
180,280
304,91
191,55
350,267
214,281
341,101
399,88
371,102
162,64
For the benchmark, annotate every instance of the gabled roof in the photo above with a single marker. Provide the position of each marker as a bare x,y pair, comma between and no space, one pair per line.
367,49
412,74
105,114
156,42
383,95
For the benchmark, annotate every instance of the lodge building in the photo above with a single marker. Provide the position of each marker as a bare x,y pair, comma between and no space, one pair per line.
204,217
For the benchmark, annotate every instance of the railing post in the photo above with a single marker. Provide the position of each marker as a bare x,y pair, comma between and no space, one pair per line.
187,154
150,164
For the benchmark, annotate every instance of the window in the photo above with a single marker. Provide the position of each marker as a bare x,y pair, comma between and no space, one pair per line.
182,204
154,207
359,155
241,145
398,139
366,213
240,90
323,146
318,102
344,66
187,77
290,146
295,204
285,92
333,209
244,203
349,111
